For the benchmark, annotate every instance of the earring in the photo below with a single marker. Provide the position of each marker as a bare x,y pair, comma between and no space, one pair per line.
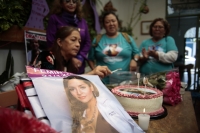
94,94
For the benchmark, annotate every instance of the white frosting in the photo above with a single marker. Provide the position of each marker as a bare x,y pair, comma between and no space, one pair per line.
137,105
134,100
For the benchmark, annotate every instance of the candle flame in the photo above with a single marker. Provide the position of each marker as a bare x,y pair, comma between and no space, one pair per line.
144,110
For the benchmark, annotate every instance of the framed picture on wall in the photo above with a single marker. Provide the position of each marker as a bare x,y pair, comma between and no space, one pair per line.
144,27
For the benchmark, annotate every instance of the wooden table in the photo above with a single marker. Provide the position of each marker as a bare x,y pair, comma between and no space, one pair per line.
180,119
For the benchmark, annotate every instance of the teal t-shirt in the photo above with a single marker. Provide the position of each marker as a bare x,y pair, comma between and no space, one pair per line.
113,52
152,65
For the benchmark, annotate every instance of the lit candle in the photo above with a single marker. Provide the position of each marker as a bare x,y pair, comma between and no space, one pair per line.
138,77
145,82
144,120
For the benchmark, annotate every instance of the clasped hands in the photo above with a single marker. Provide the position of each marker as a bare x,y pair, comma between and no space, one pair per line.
143,57
146,53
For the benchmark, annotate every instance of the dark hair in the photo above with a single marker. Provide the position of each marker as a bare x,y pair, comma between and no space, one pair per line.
164,22
78,10
61,34
33,40
106,14
77,107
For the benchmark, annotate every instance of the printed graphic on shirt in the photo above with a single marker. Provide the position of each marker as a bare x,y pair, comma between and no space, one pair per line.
112,59
156,47
112,50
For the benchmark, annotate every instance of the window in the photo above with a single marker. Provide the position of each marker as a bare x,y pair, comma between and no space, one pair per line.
183,7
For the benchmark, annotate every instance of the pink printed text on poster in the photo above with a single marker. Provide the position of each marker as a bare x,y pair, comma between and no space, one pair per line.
36,72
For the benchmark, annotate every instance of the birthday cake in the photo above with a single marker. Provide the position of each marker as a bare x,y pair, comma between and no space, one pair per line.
136,100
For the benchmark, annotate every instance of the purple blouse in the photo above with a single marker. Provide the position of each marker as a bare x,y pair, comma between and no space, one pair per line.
55,22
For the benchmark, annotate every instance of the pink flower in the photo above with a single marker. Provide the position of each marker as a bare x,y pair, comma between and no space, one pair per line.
168,88
168,100
171,92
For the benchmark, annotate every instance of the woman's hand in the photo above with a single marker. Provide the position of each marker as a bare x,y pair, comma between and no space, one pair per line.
133,65
145,56
76,62
153,53
101,71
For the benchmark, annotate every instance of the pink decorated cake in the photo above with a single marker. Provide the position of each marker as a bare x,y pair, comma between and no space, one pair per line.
135,99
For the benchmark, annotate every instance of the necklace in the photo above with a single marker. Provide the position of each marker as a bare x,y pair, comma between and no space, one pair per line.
93,116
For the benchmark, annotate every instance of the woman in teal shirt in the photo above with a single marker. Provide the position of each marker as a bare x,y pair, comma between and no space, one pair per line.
115,49
159,52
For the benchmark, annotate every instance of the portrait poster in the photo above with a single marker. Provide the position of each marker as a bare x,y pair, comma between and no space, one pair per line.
67,116
35,42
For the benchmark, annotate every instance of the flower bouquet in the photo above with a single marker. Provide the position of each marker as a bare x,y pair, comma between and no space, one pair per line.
168,82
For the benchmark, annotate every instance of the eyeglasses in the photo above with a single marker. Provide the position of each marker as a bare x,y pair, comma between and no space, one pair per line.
68,1
158,27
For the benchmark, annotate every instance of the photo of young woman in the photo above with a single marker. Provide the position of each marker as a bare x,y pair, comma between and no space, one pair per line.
94,114
34,52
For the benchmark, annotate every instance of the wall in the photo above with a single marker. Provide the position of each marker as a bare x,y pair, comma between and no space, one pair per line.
124,7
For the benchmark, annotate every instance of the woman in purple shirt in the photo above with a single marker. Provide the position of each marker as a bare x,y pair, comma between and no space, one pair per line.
70,15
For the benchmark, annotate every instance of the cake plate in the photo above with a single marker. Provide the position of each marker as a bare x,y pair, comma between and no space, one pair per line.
155,117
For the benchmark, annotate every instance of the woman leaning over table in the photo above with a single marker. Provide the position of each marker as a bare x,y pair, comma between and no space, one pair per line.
66,47
92,113
113,49
71,15
159,52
